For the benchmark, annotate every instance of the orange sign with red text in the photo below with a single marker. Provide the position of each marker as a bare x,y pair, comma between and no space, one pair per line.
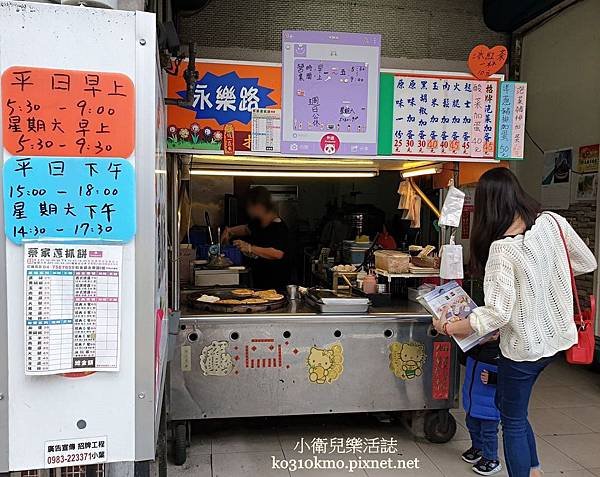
53,112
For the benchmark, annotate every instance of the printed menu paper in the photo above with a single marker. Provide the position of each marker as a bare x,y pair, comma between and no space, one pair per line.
450,301
266,130
72,308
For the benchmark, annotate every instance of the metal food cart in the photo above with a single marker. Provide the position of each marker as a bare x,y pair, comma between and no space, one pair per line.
294,361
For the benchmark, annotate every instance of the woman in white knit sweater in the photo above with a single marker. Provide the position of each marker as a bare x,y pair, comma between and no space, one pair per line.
528,298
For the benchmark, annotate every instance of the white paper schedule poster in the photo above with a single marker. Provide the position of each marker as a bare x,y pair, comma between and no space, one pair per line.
72,308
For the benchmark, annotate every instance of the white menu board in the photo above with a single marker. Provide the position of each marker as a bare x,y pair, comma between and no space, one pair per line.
72,308
444,116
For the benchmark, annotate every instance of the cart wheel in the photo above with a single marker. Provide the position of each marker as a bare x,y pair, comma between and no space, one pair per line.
439,427
179,443
162,444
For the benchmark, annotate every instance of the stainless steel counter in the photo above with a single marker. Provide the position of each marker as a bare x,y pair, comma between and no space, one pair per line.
297,361
299,310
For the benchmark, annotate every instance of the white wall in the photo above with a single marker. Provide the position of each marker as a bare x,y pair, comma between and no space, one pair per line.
561,64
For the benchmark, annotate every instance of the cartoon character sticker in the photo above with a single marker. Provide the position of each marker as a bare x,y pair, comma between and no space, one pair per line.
325,365
330,143
215,360
407,359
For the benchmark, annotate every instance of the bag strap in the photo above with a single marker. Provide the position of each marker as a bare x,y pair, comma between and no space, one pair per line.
573,281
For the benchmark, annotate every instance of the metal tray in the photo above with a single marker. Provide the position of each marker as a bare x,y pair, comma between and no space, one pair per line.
327,302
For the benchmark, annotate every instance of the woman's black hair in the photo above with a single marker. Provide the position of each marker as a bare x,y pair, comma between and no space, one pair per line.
260,195
499,199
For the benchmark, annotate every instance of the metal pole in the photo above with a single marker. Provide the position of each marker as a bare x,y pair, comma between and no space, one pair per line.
174,302
173,219
424,198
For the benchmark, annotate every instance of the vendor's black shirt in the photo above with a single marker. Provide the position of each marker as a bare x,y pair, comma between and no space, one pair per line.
270,273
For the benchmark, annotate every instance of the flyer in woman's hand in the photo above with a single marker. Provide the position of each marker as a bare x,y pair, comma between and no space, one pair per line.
451,302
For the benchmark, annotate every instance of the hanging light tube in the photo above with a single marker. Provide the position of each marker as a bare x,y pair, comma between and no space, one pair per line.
421,171
278,160
283,173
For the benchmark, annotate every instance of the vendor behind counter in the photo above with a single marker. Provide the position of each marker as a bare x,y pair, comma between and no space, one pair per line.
264,240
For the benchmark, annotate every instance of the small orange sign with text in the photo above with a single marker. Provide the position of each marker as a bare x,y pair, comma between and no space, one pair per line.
484,62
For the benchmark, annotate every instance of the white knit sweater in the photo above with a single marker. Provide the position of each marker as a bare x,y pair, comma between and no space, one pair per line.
527,287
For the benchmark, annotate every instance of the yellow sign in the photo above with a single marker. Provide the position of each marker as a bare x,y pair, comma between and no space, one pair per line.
325,365
407,359
588,158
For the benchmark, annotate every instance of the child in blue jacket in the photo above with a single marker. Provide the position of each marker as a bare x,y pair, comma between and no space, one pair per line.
483,417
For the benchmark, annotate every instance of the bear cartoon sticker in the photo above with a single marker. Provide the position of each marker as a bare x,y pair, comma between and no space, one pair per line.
215,360
407,359
330,143
325,365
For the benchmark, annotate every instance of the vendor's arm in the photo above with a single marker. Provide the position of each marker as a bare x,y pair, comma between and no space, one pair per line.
237,231
499,291
268,253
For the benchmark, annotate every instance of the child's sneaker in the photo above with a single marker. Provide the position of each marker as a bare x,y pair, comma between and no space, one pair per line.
471,456
487,467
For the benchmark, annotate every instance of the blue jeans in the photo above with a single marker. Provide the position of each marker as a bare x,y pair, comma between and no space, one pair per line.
484,436
515,383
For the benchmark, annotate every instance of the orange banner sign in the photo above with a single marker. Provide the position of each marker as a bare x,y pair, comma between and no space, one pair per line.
52,112
225,94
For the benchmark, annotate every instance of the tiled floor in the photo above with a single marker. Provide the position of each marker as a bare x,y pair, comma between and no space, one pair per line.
565,414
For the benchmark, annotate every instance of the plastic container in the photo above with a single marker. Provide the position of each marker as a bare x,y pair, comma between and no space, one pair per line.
233,254
370,284
202,252
392,261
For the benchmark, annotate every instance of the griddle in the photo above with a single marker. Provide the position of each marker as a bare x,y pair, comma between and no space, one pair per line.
226,294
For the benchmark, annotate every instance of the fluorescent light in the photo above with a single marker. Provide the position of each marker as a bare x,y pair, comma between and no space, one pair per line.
255,173
420,172
280,159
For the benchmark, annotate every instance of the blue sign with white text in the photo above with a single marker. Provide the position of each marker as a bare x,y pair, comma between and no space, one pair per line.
505,119
56,198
